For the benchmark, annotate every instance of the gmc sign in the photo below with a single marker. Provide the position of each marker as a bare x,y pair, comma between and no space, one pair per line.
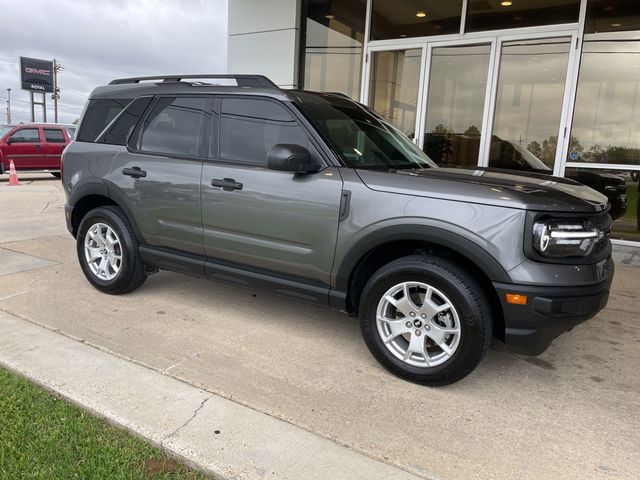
36,75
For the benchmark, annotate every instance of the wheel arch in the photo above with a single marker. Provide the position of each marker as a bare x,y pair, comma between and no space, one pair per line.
93,195
389,243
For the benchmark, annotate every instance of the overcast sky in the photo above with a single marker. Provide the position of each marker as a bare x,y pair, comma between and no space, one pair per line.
99,40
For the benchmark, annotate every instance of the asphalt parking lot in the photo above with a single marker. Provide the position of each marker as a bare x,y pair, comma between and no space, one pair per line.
573,412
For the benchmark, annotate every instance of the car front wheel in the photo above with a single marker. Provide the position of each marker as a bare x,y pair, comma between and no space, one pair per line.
425,319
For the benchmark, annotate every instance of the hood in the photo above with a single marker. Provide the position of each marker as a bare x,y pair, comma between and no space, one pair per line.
489,186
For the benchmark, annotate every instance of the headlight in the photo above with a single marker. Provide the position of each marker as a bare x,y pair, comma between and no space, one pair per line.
558,238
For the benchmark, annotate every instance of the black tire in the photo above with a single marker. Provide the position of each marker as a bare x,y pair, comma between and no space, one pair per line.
465,295
132,273
56,174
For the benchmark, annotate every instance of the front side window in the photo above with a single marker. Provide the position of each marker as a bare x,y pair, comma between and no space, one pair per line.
175,126
54,135
362,138
25,135
250,127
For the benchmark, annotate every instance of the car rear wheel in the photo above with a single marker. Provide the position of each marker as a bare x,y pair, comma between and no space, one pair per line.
108,251
425,319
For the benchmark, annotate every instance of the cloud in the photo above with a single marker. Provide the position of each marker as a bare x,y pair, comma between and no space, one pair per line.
97,41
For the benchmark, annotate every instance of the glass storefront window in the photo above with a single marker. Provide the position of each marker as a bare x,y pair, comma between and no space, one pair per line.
455,104
531,84
393,91
411,18
622,188
612,16
333,46
606,119
498,14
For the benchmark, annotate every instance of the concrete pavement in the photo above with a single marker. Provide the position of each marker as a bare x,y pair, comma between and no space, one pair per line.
571,413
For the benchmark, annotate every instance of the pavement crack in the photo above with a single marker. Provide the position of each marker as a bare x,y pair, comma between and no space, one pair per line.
45,207
189,420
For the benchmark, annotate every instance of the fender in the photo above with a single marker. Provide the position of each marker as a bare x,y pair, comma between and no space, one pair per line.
424,233
102,189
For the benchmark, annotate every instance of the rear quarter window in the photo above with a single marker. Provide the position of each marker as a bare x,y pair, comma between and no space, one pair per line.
98,115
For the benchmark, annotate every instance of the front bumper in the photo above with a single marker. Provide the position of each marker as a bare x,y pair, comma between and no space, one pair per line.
550,311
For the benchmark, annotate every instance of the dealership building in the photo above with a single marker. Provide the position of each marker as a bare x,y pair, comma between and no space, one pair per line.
535,85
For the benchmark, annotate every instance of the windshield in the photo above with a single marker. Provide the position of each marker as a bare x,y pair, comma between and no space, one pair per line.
363,139
4,129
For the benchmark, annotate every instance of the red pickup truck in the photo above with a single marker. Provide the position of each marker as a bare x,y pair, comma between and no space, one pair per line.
35,147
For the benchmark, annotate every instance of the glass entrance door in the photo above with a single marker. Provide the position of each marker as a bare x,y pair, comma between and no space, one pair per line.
529,104
455,104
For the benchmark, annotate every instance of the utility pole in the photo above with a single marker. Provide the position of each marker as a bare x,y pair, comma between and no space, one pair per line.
8,106
56,90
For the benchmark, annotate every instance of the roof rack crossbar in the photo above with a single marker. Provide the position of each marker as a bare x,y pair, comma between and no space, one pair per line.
241,80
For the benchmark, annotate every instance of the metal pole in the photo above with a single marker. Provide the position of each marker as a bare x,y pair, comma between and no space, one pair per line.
8,106
55,91
33,113
44,107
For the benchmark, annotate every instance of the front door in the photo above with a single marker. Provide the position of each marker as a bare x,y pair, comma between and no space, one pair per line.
24,147
267,220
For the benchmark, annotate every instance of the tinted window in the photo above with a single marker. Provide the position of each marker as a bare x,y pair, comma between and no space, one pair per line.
483,15
25,135
98,115
124,124
612,16
175,126
250,127
408,18
54,135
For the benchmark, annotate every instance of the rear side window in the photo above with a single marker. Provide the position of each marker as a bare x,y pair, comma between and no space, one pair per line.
98,115
54,135
249,127
175,126
25,135
125,122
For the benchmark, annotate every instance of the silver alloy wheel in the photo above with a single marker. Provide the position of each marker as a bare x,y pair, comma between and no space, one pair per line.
103,251
418,324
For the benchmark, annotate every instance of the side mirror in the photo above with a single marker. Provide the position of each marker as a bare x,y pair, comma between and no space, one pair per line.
287,157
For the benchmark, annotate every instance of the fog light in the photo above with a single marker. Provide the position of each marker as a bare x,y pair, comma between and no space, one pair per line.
516,299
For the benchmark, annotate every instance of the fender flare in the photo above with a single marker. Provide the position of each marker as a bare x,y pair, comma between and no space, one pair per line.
424,233
101,188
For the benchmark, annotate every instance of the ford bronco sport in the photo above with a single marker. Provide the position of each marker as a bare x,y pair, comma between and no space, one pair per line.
314,196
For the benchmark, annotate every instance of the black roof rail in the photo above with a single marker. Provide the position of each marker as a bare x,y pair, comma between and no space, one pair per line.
241,80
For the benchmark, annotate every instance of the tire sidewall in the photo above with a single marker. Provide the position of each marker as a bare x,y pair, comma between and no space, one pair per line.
470,347
106,216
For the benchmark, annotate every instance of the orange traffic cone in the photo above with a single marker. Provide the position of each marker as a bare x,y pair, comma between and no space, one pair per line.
13,176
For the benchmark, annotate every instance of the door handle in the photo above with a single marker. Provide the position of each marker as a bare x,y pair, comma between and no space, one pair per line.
227,184
37,145
134,172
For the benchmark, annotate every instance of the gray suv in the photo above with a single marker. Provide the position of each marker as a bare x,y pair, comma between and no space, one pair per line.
314,196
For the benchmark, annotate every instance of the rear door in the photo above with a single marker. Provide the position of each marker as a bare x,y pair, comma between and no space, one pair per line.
55,139
272,221
24,147
158,176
